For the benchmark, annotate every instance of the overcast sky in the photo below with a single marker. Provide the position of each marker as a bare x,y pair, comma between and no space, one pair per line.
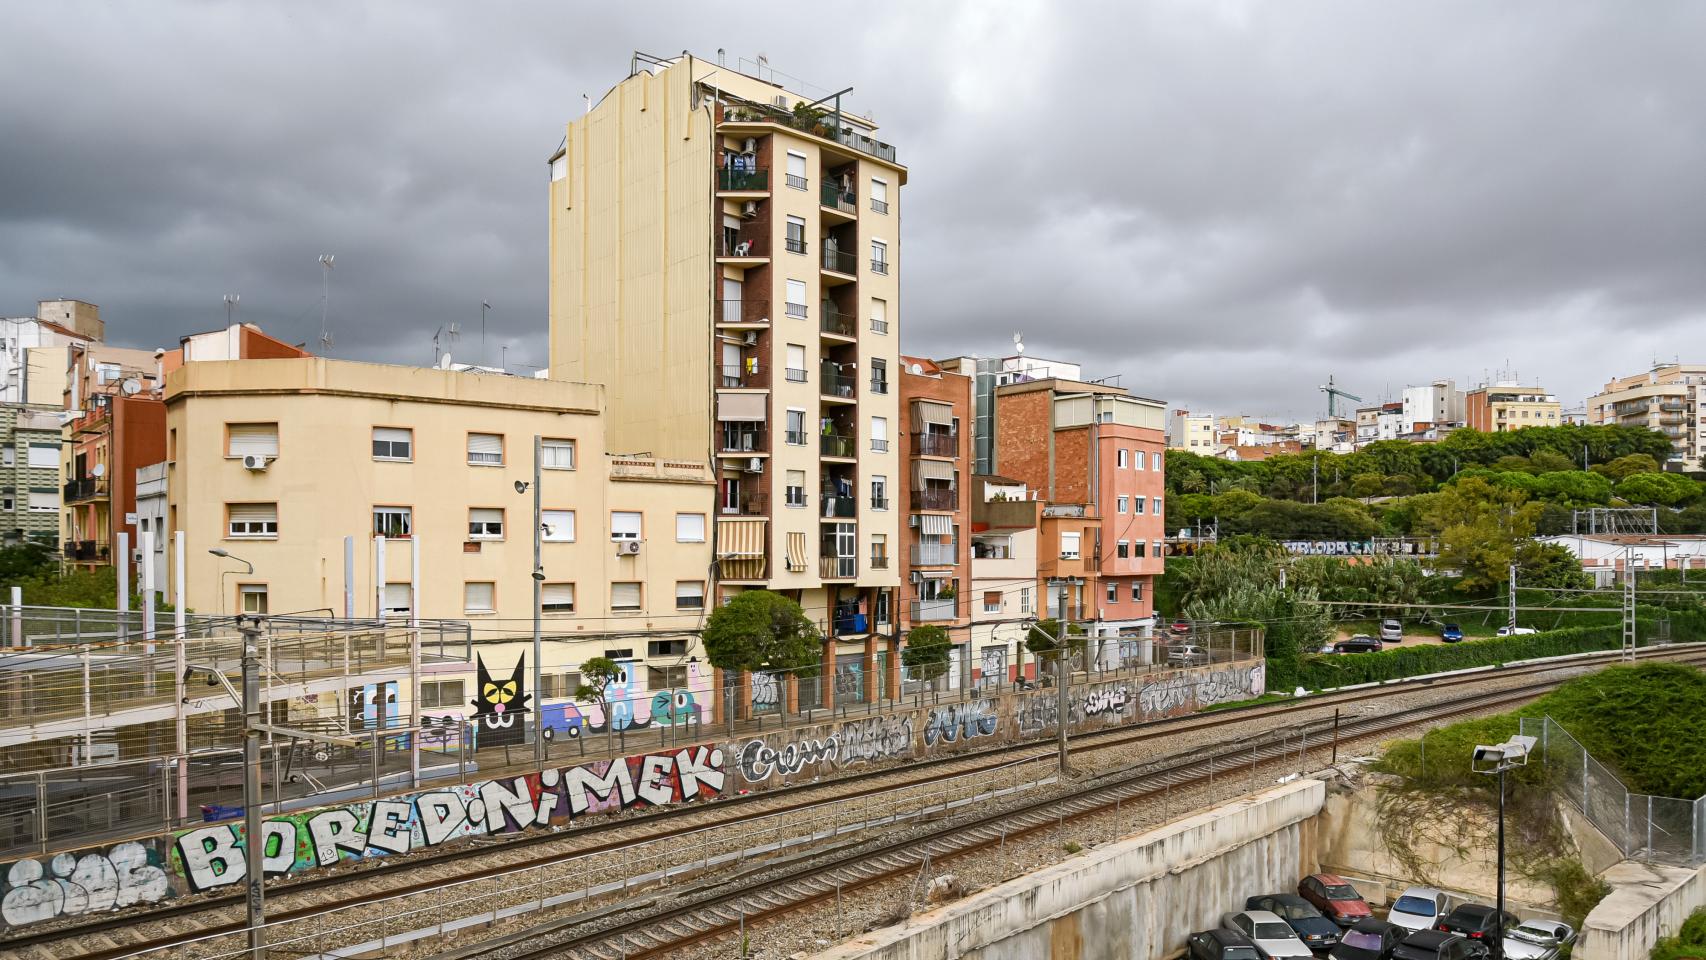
1221,202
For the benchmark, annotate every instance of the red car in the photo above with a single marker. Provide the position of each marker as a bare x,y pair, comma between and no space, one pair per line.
1336,899
1180,627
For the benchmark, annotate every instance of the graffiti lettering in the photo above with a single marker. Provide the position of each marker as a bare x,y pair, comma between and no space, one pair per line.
1038,713
1110,699
766,692
759,761
878,738
72,885
961,721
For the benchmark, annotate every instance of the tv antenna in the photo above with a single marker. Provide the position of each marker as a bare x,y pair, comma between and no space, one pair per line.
485,357
231,305
325,300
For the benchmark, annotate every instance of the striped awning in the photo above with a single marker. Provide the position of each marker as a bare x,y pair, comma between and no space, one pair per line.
923,470
931,411
740,547
935,525
796,551
741,407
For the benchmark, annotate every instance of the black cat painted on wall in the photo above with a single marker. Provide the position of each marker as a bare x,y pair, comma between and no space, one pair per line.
500,706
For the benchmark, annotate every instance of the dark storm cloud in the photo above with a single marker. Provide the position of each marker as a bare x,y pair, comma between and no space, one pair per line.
1222,202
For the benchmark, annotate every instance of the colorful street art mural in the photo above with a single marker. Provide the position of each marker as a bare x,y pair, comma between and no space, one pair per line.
500,705
211,857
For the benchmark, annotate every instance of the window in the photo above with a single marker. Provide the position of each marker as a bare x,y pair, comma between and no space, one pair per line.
1155,461
796,170
1136,590
391,522
1113,591
557,454
479,596
485,523
879,492
557,526
1155,505
1120,504
797,366
253,597
397,599
251,439
879,196
9,456
1123,549
252,520
1137,507
1137,549
7,503
879,257
1120,458
44,501
689,528
666,678
796,305
1137,461
46,455
879,551
879,433
441,694
107,372
879,376
795,489
796,427
667,648
991,601
1069,546
625,597
1157,545
879,316
557,598
393,443
486,449
690,595
624,525
1025,600
796,239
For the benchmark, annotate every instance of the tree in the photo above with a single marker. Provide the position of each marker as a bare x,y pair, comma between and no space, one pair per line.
1660,489
597,675
926,653
1549,461
1627,466
1478,526
24,560
1365,485
1550,565
1048,642
759,629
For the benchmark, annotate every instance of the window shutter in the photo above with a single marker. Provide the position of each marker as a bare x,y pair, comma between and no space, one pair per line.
625,596
477,597
254,512
624,526
396,598
45,455
485,515
559,526
558,596
253,439
485,448
690,527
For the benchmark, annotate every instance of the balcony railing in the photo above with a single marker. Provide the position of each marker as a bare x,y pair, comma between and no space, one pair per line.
839,507
85,488
879,326
879,561
1673,406
836,383
840,261
796,438
879,385
764,113
753,505
795,244
86,550
879,503
936,498
754,180
838,568
748,246
991,551
743,441
747,375
935,554
743,311
796,375
879,206
880,445
795,181
880,266
836,445
831,195
924,611
795,310
936,444
838,324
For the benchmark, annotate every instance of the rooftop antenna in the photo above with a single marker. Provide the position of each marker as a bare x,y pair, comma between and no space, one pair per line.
485,357
435,335
230,305
452,333
325,300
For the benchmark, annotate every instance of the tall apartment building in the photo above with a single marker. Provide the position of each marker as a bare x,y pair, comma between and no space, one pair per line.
29,474
1670,398
725,259
1094,453
935,494
986,374
34,351
1437,404
1501,408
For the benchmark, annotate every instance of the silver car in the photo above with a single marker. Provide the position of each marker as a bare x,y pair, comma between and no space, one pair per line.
1418,908
1538,939
1273,937
1391,631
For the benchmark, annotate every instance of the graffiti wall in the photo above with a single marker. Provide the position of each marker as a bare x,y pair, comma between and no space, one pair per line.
211,858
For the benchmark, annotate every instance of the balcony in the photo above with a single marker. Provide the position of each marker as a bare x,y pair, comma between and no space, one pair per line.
840,261
935,554
835,199
749,376
879,206
86,551
834,323
1673,406
739,441
835,384
879,503
879,385
880,266
796,375
743,181
837,445
936,498
846,137
925,611
879,561
838,568
750,505
936,445
743,311
85,488
842,508
748,247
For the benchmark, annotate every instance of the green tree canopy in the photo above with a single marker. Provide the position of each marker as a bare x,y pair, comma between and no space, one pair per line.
926,653
1627,466
1659,489
1478,526
597,675
759,629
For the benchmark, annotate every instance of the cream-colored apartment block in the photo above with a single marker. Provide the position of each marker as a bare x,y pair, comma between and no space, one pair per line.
727,264
1670,398
276,462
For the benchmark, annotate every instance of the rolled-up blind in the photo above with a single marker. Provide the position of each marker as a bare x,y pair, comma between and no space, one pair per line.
253,512
260,439
625,596
741,407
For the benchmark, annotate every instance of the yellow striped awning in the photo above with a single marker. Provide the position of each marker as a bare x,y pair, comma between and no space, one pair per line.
796,551
740,547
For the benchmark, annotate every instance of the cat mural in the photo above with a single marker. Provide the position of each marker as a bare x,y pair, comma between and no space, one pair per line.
500,707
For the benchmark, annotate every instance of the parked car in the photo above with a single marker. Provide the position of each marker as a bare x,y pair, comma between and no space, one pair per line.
1316,931
1221,944
1418,908
1187,655
1516,631
1180,627
1331,895
1369,939
1475,921
1434,945
1538,940
1360,643
1273,937
1451,633
1391,631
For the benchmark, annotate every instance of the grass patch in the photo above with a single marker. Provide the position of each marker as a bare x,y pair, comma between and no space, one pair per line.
1688,944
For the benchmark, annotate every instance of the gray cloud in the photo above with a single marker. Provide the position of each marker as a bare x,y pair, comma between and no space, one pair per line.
1221,202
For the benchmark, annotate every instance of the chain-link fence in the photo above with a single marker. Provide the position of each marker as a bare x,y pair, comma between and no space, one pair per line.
1641,826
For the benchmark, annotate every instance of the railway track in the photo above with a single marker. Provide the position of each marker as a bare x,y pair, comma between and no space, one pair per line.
306,897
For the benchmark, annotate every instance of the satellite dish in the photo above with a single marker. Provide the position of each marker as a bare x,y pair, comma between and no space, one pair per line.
100,470
917,369
130,387
1018,343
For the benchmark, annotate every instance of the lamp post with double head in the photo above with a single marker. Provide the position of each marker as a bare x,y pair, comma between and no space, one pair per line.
1494,761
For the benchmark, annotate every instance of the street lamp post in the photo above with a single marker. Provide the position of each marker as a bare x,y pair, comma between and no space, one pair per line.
1495,760
538,584
221,553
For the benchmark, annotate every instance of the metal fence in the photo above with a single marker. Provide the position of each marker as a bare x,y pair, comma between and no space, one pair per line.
1641,826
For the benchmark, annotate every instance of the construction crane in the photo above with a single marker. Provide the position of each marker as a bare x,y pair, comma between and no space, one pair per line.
1333,394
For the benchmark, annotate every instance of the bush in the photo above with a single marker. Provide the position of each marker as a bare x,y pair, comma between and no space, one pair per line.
1320,671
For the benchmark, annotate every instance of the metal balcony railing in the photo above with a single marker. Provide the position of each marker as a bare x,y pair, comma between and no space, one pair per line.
880,445
836,383
936,498
743,180
839,507
830,194
796,438
838,568
794,244
879,561
743,441
796,375
838,324
755,505
837,445
85,488
879,385
795,181
753,245
879,326
880,266
924,611
743,311
795,310
935,554
86,550
936,444
879,206
745,375
879,503
840,261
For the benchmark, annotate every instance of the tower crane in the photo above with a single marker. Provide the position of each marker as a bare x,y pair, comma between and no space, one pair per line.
1333,395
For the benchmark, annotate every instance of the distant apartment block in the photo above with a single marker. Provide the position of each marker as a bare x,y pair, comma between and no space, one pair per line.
935,496
29,473
34,351
1503,408
1668,398
1192,434
1437,404
987,373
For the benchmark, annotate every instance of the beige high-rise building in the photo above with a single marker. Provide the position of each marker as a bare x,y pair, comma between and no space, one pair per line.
725,260
1670,398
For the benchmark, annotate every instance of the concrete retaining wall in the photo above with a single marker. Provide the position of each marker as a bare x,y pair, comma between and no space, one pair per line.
1647,901
1136,898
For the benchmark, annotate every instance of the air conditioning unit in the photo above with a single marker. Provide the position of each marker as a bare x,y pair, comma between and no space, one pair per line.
254,461
752,338
755,465
780,101
912,521
917,577
749,210
750,146
627,548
